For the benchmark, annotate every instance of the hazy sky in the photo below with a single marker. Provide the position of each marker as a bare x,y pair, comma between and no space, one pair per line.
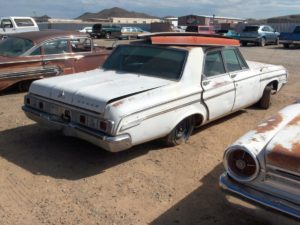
74,8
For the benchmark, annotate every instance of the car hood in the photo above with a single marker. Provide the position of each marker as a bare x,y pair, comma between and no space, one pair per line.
93,90
283,152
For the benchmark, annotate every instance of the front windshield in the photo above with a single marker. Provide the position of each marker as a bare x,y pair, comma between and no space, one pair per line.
147,60
12,46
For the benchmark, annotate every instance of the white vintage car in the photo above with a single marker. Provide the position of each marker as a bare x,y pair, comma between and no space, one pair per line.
160,88
263,166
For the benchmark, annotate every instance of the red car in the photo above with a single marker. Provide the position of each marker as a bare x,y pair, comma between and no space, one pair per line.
25,57
201,29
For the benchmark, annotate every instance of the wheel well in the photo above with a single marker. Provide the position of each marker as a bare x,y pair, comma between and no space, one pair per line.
198,118
274,85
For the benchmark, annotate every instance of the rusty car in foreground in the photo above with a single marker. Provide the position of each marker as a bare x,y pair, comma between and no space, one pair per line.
263,166
159,88
25,57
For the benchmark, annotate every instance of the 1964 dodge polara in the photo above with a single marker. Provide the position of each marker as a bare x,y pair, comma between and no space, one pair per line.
160,88
263,166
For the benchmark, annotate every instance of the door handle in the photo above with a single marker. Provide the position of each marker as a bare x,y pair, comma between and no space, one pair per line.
233,75
206,82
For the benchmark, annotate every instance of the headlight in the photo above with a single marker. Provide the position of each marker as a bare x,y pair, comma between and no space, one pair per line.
241,164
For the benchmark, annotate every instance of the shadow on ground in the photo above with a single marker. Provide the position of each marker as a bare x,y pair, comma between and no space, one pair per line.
45,152
207,205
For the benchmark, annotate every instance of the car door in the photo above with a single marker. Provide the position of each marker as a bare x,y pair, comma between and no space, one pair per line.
57,57
246,81
218,86
86,56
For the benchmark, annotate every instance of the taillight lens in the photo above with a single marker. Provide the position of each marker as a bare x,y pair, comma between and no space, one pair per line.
241,165
103,125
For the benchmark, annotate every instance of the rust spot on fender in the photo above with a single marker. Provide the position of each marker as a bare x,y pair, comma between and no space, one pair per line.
117,104
269,124
288,159
295,121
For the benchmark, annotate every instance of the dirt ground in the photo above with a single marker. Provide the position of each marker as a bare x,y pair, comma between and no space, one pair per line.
46,178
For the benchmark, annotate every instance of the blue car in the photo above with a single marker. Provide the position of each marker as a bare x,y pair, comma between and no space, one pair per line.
260,35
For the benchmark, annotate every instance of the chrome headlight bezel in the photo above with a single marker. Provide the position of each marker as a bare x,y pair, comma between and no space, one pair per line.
233,168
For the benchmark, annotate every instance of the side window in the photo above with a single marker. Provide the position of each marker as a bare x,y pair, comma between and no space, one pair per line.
231,60
37,51
213,64
81,45
56,47
6,23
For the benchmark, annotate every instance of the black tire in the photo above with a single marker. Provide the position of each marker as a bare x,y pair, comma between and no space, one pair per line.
107,35
24,85
244,43
181,133
277,41
286,45
265,100
262,42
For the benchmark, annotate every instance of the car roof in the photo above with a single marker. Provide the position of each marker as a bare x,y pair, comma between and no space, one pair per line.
41,36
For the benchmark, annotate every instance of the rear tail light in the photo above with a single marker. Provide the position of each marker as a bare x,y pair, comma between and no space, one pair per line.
103,125
241,165
82,119
41,105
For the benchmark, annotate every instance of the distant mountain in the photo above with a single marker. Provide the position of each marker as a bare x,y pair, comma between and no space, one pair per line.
113,12
279,19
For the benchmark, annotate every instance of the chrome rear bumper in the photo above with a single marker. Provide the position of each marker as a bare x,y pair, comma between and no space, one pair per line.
109,143
255,197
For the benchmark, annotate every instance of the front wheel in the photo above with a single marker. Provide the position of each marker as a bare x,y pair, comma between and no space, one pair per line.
262,42
181,133
107,35
265,100
286,45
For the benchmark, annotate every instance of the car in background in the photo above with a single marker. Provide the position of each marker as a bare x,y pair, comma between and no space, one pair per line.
260,35
288,39
10,25
86,30
158,88
29,56
228,33
105,31
263,166
131,32
200,29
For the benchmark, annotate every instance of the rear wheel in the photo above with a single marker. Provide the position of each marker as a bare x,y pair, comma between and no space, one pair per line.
244,43
24,85
181,132
265,100
286,45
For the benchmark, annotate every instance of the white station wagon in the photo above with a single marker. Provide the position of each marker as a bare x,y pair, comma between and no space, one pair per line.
162,87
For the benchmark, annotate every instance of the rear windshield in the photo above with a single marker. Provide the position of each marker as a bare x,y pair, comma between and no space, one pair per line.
12,46
251,28
192,29
147,60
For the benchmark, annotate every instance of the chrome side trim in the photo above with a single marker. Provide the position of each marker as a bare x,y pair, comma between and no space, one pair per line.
260,198
217,95
268,78
28,73
163,103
